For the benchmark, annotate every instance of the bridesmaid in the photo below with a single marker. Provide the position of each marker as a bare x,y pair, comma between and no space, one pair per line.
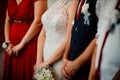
22,25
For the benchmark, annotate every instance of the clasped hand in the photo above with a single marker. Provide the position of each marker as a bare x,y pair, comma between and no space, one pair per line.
69,69
13,50
40,65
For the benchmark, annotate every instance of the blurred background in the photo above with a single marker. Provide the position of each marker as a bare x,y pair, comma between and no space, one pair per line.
3,5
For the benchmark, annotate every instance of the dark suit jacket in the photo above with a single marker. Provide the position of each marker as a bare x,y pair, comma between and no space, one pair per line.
82,34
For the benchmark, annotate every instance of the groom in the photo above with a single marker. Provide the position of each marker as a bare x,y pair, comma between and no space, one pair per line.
78,53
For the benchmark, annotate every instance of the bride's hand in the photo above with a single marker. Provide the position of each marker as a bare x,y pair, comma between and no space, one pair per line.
39,65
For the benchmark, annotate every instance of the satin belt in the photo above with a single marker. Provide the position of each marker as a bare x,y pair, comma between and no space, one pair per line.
23,21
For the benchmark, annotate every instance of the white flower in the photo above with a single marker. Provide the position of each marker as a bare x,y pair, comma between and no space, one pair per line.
44,73
85,8
86,13
86,21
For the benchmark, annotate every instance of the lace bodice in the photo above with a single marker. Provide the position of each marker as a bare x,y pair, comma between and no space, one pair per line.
55,19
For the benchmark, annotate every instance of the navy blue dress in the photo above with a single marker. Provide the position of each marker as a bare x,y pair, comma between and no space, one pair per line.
82,35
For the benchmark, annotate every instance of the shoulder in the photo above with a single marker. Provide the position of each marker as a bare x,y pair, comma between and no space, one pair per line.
73,6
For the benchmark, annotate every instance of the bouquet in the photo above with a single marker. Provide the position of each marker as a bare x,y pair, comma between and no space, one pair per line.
44,73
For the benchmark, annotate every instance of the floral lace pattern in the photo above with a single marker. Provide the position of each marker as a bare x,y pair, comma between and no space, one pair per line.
55,22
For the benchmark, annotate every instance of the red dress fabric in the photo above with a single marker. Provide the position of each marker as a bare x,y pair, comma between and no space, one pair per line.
21,67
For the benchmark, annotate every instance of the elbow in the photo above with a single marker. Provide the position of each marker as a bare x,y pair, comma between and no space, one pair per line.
38,23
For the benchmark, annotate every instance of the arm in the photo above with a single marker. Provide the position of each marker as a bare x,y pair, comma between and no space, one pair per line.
87,54
65,58
93,69
40,47
6,32
72,10
67,48
73,66
39,8
7,27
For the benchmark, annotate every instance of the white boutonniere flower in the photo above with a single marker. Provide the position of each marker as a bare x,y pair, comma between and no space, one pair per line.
85,8
86,13
44,73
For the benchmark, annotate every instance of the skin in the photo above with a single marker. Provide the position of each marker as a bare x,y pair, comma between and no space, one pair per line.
6,30
93,70
39,8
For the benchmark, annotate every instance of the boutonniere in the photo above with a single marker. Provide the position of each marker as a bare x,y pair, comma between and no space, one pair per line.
85,8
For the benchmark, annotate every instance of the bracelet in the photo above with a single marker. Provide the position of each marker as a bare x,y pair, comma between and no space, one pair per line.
5,44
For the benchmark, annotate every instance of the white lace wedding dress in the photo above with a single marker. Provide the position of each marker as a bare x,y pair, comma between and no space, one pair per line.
55,22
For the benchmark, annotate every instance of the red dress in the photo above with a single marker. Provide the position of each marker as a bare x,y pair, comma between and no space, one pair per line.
21,67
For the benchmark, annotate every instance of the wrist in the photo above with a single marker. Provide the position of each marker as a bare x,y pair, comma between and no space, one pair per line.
39,62
48,63
78,63
65,57
22,42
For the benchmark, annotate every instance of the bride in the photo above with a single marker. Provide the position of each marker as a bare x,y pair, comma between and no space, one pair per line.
53,37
